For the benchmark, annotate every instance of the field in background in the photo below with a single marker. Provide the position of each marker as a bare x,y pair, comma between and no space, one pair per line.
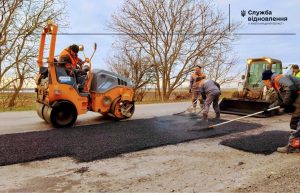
26,101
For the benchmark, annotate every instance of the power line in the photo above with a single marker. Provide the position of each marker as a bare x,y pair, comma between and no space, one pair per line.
154,34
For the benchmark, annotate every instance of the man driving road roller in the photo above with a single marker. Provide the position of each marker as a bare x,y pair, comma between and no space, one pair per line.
69,59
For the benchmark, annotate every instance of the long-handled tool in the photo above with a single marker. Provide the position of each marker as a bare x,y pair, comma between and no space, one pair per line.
200,110
188,109
219,124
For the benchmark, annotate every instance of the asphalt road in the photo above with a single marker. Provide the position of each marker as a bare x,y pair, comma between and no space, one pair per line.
264,143
95,138
212,163
105,140
26,121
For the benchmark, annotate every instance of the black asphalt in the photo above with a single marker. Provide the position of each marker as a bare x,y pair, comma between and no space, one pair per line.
88,143
264,143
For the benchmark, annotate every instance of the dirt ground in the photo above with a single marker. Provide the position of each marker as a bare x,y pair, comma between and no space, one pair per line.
198,166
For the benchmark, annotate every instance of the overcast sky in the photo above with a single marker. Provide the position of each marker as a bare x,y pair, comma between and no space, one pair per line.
92,16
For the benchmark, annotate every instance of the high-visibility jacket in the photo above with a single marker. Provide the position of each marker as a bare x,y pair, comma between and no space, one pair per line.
275,82
196,80
297,74
70,61
287,88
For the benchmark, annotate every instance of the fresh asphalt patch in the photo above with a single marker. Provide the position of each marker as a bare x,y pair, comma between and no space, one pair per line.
264,143
105,140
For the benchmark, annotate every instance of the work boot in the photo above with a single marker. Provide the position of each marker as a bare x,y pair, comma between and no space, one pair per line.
288,149
204,117
218,116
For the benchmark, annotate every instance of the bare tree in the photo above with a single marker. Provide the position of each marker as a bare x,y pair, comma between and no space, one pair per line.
21,24
221,64
131,63
175,34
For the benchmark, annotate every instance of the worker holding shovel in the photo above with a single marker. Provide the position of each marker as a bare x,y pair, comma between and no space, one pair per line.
194,87
211,92
288,90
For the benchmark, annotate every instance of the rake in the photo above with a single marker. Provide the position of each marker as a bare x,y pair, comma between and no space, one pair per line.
189,109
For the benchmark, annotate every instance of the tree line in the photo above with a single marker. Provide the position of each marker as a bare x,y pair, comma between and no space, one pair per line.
163,41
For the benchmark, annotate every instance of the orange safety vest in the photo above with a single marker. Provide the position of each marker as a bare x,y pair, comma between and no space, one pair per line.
74,59
194,76
276,84
202,75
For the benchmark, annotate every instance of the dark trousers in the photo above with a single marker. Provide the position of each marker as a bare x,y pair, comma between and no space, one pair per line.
295,120
81,78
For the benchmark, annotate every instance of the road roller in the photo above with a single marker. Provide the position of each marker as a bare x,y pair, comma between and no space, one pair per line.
59,99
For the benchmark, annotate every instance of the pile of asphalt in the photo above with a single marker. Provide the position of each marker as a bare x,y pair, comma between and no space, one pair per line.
265,143
88,143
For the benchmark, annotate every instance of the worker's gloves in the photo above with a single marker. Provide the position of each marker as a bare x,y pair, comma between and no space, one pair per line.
266,110
289,108
283,105
190,91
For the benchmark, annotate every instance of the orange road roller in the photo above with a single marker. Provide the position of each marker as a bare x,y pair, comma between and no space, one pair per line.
59,99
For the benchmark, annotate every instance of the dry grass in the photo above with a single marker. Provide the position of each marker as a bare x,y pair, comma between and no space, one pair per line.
26,101
227,93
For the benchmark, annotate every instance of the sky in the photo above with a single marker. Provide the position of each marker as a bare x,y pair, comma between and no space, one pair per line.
93,16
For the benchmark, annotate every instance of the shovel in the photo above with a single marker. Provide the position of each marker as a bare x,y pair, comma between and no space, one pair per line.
189,109
219,124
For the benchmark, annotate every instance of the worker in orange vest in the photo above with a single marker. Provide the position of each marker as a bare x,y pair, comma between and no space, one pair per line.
288,91
195,89
69,59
